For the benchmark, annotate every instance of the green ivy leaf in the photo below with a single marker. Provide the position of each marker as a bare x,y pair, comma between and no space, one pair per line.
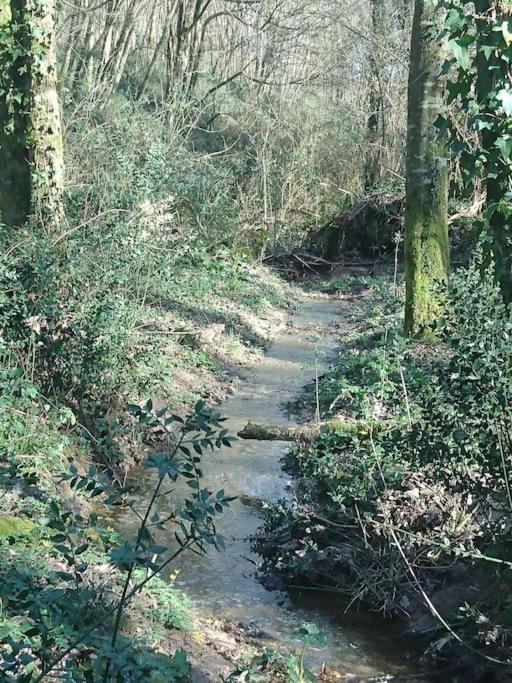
505,97
504,144
460,52
487,50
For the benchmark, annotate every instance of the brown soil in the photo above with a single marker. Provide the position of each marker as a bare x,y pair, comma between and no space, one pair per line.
214,648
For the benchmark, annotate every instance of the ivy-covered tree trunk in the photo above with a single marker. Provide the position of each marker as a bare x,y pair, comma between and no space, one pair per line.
31,158
492,76
14,82
426,222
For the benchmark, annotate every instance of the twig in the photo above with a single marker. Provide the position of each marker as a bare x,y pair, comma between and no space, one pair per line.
436,612
406,396
84,225
505,472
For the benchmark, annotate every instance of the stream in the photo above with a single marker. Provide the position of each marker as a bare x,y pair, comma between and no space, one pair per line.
224,584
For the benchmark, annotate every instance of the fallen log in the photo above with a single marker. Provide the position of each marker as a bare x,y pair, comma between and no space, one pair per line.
301,433
256,432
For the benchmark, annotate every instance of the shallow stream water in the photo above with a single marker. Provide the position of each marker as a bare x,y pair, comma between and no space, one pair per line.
225,584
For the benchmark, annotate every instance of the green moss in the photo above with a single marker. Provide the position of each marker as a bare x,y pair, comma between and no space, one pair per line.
15,527
426,215
428,269
349,427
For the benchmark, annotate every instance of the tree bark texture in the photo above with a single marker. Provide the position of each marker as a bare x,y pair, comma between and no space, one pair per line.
31,155
426,219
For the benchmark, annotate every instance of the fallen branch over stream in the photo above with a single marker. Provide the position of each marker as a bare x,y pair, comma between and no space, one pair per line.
299,264
302,433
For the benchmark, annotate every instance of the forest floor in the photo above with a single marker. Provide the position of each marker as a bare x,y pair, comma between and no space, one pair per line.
217,319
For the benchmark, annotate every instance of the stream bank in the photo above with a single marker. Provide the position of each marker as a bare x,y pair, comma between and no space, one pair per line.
397,510
224,585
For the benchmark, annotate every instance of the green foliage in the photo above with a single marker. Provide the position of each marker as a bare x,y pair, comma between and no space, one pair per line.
463,434
418,478
479,89
114,308
264,668
170,607
310,636
14,527
101,318
365,381
273,666
30,437
344,285
75,347
479,42
69,618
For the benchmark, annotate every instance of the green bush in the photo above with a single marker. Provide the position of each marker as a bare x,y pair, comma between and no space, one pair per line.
62,575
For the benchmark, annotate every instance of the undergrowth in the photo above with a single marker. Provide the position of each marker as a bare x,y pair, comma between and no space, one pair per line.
77,601
408,510
137,296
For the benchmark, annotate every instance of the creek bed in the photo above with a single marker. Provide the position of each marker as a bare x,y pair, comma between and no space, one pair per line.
225,584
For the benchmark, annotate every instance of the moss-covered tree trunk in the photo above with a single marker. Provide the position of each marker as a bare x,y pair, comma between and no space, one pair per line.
31,159
426,222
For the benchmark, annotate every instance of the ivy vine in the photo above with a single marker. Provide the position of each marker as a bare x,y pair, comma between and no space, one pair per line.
479,41
27,134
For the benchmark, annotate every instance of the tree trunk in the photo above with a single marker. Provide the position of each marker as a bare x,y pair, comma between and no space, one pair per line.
156,52
302,433
426,217
374,151
46,151
108,33
74,29
31,159
497,173
15,86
